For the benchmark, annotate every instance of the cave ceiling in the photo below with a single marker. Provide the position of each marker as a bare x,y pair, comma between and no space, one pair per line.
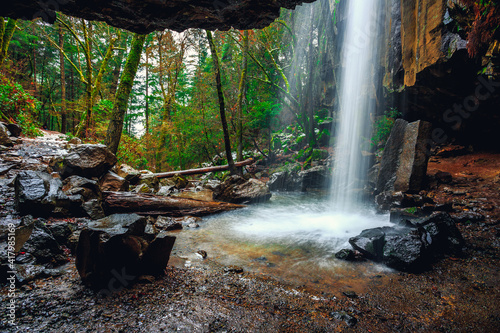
144,16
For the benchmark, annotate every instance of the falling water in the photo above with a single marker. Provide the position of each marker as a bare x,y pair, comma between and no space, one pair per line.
294,236
359,57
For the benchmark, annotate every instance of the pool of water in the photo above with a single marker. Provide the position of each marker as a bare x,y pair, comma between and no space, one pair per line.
293,237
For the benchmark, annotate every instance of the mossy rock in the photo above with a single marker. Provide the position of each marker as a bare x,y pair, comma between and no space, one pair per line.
180,181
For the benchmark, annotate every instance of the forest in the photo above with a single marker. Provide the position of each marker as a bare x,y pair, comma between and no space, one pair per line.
72,77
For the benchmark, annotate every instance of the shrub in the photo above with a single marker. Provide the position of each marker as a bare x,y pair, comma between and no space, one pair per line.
17,105
383,126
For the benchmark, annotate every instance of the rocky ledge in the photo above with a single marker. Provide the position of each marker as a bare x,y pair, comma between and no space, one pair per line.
146,16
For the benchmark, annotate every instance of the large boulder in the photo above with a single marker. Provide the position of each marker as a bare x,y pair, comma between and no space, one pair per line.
404,161
236,189
285,181
88,161
113,252
291,180
318,177
40,194
414,245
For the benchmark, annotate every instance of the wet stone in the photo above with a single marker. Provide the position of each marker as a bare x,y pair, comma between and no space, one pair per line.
342,315
350,294
345,254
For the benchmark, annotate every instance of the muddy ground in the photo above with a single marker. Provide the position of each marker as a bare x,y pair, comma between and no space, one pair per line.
457,295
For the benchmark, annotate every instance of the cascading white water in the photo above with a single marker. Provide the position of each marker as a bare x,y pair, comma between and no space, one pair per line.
360,55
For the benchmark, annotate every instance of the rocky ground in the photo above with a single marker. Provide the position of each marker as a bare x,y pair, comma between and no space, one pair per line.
458,294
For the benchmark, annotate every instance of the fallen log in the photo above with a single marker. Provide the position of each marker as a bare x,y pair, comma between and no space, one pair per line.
149,204
200,170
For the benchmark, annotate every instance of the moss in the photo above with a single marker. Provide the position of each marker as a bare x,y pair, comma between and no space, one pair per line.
113,134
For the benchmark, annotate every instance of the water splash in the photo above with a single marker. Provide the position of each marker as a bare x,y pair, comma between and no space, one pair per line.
360,57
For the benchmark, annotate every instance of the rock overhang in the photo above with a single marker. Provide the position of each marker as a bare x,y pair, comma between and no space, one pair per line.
144,16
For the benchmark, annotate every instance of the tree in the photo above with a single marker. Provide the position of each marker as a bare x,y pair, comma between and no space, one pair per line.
115,127
6,32
241,92
220,94
63,80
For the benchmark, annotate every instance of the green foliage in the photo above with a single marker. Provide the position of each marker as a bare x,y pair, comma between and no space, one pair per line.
18,105
264,113
132,152
383,126
102,109
411,210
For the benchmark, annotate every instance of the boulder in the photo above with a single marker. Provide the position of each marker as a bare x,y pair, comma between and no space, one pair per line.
75,141
390,157
318,177
88,161
404,161
315,178
14,129
180,181
346,254
86,188
89,194
93,208
40,194
130,174
167,223
166,190
236,189
150,180
61,231
414,245
43,246
370,243
288,180
112,182
5,136
412,167
113,252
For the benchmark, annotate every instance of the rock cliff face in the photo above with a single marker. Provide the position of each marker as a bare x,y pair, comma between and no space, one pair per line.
144,16
434,78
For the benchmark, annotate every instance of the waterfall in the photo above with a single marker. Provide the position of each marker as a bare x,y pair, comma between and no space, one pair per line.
360,58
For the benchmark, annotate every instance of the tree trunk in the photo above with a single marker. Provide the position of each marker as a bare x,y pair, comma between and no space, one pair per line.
227,142
162,205
241,93
146,111
6,32
115,127
118,63
88,90
63,81
201,170
104,66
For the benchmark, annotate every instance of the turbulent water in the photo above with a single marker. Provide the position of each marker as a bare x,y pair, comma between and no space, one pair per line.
360,54
291,237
